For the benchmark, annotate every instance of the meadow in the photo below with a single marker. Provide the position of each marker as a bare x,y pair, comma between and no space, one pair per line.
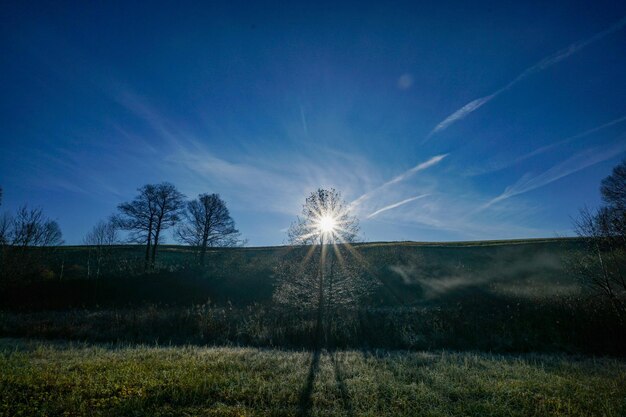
57,378
411,273
507,296
467,328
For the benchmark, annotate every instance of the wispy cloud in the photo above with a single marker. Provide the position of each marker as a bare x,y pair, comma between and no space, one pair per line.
464,111
539,66
419,167
571,165
502,165
394,205
588,132
451,215
303,118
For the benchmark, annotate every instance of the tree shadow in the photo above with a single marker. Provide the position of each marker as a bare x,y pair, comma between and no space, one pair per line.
306,402
343,389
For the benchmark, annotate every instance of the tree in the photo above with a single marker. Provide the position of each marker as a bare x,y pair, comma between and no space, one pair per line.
602,263
137,217
101,239
30,227
326,218
327,273
207,223
613,190
156,208
169,204
25,239
613,187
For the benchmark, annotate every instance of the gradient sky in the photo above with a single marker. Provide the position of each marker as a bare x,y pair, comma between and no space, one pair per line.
454,121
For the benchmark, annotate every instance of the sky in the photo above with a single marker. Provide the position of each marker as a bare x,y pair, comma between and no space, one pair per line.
437,122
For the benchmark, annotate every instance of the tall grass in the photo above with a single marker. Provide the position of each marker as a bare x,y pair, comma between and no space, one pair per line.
504,325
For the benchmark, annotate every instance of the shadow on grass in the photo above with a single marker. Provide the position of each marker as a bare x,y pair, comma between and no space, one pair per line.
340,381
306,402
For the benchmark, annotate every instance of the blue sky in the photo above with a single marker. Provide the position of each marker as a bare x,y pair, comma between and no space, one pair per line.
449,121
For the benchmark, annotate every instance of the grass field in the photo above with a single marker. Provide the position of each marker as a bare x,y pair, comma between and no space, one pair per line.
50,379
497,296
411,272
135,343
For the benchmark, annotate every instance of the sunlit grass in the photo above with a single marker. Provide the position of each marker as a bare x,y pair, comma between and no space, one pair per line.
79,380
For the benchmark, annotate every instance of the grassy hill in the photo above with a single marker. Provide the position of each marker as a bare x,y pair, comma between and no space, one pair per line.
410,273
497,296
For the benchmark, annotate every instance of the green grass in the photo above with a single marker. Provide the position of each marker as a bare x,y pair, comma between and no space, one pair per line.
105,380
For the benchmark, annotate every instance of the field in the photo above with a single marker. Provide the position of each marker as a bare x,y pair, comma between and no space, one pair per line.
468,328
501,296
46,379
411,273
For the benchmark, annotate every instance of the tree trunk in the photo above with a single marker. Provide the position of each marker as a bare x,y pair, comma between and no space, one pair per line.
320,299
147,261
203,250
154,246
329,303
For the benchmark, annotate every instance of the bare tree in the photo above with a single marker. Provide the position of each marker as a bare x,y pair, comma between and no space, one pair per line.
30,227
326,218
207,223
5,228
613,187
156,208
5,222
101,239
26,239
137,217
327,273
169,204
602,263
613,190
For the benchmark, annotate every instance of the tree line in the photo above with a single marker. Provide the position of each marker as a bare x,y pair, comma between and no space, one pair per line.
26,239
314,282
203,223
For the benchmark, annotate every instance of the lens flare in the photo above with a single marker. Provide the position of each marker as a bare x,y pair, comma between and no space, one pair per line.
327,224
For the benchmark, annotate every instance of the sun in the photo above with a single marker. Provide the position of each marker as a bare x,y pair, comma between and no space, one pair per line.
327,224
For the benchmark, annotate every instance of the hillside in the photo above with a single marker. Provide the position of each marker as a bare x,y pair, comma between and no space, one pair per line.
410,273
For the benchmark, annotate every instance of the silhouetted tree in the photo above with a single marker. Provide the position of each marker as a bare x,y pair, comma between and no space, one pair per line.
613,190
207,223
169,206
26,239
602,264
319,207
4,226
137,217
613,187
156,208
101,239
329,274
30,227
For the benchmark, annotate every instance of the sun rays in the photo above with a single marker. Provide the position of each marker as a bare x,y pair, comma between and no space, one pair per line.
328,227
326,219
327,224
